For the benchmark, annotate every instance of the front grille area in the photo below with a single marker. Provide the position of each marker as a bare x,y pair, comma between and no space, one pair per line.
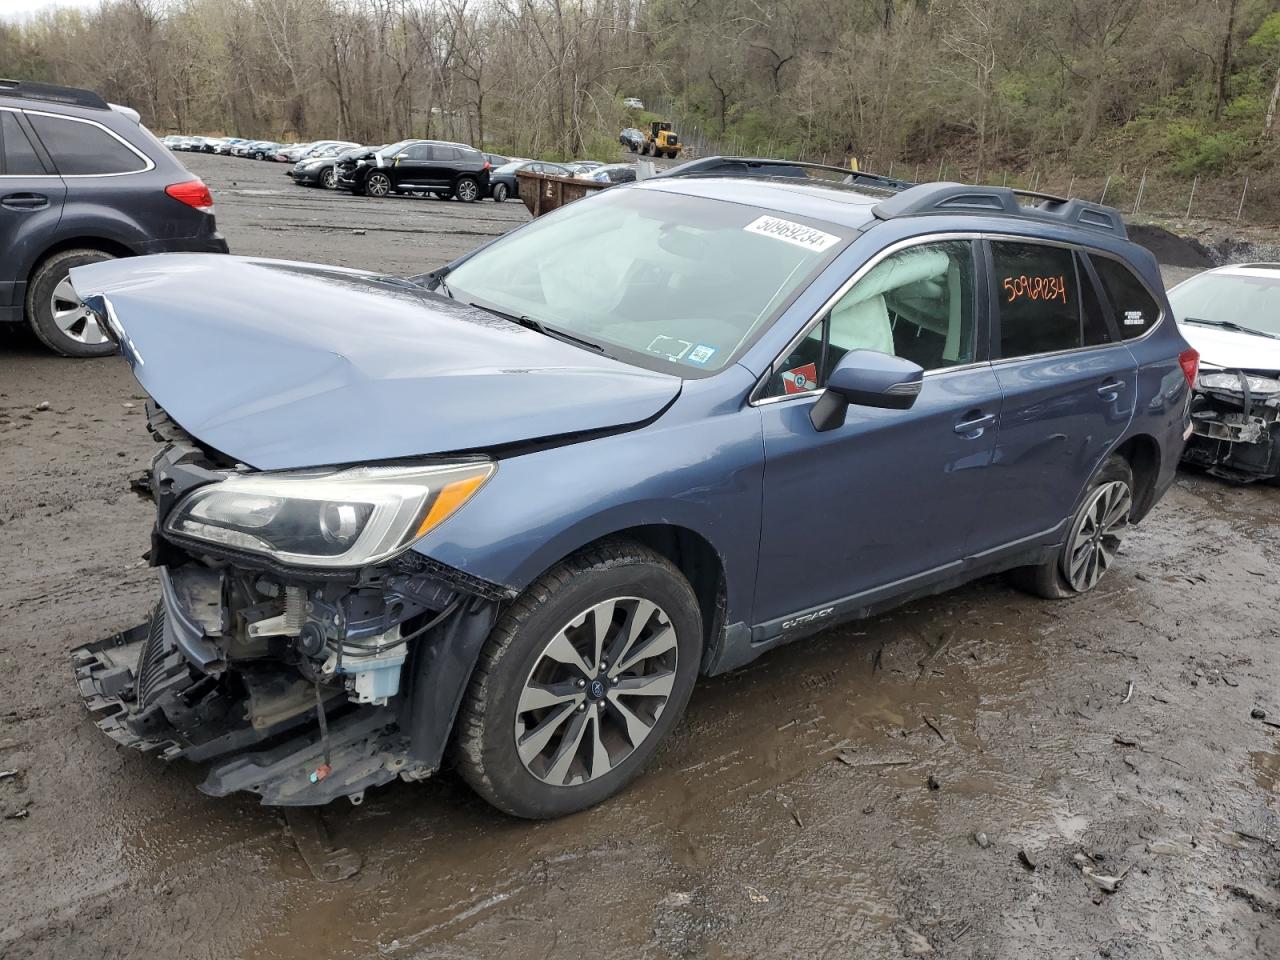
160,665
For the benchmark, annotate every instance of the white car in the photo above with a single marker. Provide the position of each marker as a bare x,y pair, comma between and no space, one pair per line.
1231,315
633,103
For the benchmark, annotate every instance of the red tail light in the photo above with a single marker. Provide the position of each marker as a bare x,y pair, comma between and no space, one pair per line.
1189,360
193,193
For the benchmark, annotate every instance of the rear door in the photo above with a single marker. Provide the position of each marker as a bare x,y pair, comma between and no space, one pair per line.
1068,384
31,199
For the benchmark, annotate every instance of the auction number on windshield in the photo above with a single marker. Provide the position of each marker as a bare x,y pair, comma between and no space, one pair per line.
1035,288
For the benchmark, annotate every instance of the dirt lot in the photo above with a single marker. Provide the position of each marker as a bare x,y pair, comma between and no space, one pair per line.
885,790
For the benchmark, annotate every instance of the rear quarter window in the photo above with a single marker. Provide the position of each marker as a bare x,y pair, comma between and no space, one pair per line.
1136,311
84,149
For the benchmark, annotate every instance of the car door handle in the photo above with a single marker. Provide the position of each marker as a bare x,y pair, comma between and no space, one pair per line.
1111,389
972,429
24,201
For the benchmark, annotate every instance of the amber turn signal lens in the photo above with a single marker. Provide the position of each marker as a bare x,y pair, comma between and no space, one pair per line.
449,499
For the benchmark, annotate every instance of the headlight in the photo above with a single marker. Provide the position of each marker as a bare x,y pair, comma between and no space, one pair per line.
347,518
1258,386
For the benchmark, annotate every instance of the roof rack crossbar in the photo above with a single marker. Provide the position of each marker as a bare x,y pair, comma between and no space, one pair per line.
48,92
943,198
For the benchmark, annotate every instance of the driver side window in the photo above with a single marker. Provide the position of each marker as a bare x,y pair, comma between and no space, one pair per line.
917,304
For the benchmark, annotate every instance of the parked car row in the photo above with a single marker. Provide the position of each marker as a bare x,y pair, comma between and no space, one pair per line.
416,167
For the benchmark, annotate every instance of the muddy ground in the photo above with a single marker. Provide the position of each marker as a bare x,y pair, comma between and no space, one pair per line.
824,802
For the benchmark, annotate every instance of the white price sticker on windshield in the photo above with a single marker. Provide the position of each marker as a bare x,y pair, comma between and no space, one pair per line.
796,233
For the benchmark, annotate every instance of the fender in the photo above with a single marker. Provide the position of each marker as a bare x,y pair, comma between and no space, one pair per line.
699,466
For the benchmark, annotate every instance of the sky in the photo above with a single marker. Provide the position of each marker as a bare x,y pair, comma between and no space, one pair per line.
20,9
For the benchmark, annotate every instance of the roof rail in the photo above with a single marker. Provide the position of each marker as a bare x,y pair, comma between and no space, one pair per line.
30,90
944,198
762,167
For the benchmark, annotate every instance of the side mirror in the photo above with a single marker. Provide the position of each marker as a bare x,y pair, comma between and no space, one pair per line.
867,378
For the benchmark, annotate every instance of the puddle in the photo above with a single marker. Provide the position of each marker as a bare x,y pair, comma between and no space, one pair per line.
1266,769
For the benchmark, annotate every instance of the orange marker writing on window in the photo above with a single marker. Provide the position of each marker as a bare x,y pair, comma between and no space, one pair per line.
1035,288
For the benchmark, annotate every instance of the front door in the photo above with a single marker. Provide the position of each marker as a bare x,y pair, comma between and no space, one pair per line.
884,502
31,197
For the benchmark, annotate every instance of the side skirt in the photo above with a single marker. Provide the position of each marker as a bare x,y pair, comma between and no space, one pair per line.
739,645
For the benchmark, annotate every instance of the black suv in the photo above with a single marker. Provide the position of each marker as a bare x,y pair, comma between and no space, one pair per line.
429,166
82,180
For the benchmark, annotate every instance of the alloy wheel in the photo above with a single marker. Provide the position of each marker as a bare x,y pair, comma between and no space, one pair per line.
467,190
1095,536
378,185
328,179
596,691
500,192
72,317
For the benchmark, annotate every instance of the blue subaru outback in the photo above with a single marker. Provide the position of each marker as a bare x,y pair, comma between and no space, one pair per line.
505,514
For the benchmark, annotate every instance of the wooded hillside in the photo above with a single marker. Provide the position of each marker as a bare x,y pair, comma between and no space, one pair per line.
977,88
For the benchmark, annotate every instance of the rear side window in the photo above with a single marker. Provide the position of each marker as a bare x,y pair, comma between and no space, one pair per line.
19,159
1136,310
1039,298
84,149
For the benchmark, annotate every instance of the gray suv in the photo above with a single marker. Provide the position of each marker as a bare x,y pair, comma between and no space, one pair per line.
82,180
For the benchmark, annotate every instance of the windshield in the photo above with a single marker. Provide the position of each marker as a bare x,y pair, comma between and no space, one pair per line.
674,283
1250,301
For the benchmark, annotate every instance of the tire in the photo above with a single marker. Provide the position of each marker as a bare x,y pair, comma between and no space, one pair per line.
377,184
69,332
329,179
467,189
1109,499
499,193
485,737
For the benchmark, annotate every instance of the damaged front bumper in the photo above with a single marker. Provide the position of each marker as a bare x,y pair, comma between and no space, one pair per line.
301,686
1235,422
167,688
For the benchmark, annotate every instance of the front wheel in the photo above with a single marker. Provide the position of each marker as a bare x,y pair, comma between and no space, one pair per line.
1092,541
467,190
59,319
377,185
499,192
580,681
329,179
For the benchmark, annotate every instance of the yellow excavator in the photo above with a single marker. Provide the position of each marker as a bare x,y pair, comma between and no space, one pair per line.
660,140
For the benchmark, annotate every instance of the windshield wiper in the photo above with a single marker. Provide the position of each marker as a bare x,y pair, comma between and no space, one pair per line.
540,327
1231,325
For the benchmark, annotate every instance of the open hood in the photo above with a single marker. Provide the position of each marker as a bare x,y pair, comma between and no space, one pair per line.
287,365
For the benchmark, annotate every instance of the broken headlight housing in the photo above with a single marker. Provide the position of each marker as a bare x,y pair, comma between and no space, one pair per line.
1227,380
344,518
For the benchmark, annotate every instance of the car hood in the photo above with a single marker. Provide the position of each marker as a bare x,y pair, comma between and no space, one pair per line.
286,365
1228,348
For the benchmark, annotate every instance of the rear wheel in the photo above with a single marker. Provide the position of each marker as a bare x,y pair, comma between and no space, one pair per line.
467,190
499,192
377,184
1093,538
55,312
579,682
